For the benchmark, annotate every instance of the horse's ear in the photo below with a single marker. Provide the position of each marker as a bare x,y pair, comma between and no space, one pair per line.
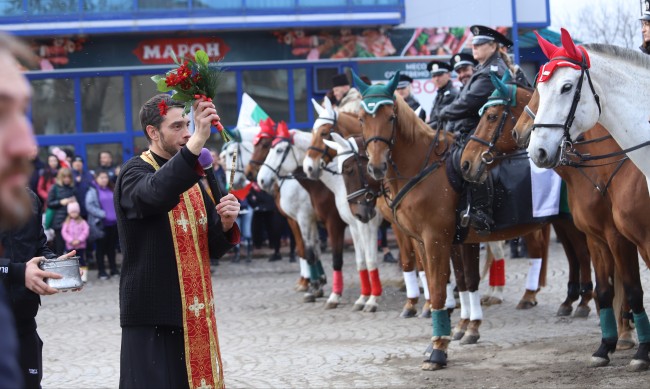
328,104
569,46
333,145
547,47
392,83
321,111
507,76
500,86
359,83
338,139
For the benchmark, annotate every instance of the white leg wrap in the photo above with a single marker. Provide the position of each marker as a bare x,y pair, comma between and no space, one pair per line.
534,267
476,313
411,281
464,305
450,302
425,286
304,268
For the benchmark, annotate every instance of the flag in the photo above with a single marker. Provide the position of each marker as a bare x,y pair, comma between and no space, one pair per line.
250,113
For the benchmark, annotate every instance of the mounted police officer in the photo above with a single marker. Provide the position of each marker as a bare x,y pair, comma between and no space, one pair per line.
645,28
404,90
446,91
463,112
463,64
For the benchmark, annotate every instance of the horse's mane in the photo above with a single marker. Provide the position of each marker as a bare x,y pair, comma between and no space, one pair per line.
633,56
411,128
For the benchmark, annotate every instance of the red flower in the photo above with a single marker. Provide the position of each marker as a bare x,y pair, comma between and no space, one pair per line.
162,107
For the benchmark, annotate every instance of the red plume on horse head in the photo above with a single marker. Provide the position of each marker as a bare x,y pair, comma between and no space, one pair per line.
267,130
282,133
569,55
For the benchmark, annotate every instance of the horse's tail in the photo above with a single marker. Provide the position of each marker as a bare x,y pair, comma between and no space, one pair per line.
619,302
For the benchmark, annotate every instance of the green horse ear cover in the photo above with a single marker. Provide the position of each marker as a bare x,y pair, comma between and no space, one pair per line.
374,96
359,83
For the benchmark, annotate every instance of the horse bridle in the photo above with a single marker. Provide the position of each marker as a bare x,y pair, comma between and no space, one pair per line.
285,154
488,157
365,195
584,69
324,152
390,141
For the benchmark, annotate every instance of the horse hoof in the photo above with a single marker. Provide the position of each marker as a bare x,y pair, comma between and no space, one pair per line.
408,313
526,304
426,314
301,288
430,366
565,310
458,335
370,308
598,362
492,301
308,298
331,305
582,311
358,307
470,339
318,293
625,344
484,299
638,365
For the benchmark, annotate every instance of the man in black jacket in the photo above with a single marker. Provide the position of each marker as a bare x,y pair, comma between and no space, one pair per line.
25,248
169,228
404,90
446,91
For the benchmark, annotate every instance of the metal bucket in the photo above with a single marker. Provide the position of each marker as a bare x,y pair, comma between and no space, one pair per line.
68,268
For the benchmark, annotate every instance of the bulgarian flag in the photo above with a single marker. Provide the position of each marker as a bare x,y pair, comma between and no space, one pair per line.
250,113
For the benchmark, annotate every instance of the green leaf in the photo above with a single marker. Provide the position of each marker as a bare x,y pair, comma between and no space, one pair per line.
182,97
201,57
161,84
174,58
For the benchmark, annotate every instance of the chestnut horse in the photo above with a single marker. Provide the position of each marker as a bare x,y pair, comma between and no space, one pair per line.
410,158
609,201
322,200
316,160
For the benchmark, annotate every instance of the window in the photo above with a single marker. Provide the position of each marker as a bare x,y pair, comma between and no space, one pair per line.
93,150
300,102
140,144
142,89
102,107
322,3
53,109
375,2
221,4
323,78
270,4
162,4
108,5
10,7
41,7
45,151
269,89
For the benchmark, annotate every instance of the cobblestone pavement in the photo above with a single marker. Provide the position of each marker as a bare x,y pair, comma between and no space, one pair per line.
270,338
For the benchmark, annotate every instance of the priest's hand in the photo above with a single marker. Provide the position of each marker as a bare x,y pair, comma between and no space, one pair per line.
228,210
35,277
204,113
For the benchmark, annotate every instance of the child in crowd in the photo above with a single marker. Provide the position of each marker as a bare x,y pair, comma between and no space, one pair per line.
75,232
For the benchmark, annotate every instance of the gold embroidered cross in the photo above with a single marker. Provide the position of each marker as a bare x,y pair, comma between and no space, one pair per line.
196,307
203,221
204,385
183,222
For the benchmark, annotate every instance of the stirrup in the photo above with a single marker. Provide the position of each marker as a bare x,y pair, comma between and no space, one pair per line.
465,217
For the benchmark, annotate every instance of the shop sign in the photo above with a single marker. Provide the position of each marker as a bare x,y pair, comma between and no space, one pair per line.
159,51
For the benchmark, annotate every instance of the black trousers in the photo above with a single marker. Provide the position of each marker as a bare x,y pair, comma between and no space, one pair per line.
106,248
267,223
153,357
31,358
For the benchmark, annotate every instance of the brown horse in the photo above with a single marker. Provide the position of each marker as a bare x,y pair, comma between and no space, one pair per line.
320,155
324,204
613,255
410,158
610,201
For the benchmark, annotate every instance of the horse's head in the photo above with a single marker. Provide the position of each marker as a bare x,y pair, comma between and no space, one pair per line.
352,164
281,160
378,123
568,102
319,154
244,150
524,126
261,145
493,136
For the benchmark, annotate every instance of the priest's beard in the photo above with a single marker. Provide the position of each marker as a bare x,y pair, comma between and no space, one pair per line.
169,148
15,201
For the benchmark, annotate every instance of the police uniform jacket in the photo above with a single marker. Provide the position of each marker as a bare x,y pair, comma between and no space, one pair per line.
414,104
445,96
463,112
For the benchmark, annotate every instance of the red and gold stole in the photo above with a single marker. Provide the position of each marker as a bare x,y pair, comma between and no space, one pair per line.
189,226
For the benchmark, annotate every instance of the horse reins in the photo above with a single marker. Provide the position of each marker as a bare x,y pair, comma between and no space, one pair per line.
285,154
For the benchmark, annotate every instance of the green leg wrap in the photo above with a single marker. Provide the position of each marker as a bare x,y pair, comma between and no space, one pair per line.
313,273
441,322
321,271
642,327
608,323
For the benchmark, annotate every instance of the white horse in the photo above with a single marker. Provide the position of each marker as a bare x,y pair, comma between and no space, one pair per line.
326,115
285,158
294,199
619,100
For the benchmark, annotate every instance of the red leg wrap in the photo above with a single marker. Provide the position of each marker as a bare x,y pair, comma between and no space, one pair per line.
365,282
376,283
498,273
337,282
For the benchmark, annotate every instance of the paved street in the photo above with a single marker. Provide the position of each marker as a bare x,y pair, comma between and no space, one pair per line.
269,338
